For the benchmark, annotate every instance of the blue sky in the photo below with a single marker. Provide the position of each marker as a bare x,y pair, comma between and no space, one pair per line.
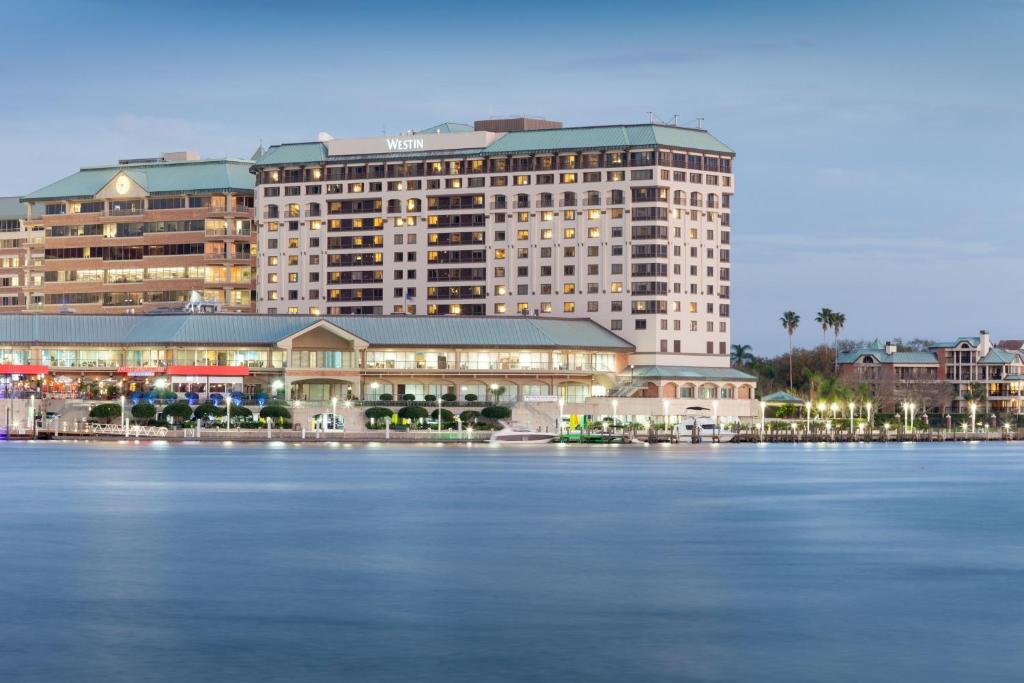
879,143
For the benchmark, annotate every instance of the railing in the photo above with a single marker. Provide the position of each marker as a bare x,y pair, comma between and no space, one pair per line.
226,256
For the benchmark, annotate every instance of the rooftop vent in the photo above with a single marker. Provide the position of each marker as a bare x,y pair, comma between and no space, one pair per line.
180,156
515,123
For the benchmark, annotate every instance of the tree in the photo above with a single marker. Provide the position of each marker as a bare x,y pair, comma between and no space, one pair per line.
838,320
790,320
469,417
378,413
824,318
496,412
412,413
471,398
105,411
447,416
275,411
206,410
449,397
742,354
179,411
408,397
143,411
385,397
430,398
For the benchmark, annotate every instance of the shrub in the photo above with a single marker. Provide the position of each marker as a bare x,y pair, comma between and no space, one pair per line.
167,395
208,410
496,412
430,398
180,411
192,397
105,411
408,397
412,413
385,397
449,397
446,415
240,412
275,411
469,417
378,413
216,399
143,411
471,398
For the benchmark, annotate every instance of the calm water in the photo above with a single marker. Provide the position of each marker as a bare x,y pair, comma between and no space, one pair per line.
742,563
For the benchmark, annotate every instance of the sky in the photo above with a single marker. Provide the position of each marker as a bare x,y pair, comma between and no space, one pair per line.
878,144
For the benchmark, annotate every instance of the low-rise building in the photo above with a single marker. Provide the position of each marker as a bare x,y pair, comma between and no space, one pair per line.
13,254
948,376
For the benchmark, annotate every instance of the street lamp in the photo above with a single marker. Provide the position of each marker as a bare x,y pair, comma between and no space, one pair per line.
835,408
494,392
912,409
821,409
974,416
615,411
277,385
664,410
762,417
124,418
867,408
714,412
334,413
561,411
439,414
807,415
852,406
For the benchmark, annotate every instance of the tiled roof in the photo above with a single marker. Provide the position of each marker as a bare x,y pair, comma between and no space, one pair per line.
294,153
688,372
972,341
898,358
156,177
228,329
997,356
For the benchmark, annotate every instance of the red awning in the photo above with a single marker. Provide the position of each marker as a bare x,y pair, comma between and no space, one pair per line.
132,371
24,369
208,370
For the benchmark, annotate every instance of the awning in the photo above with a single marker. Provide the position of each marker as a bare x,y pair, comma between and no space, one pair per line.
133,371
208,370
6,369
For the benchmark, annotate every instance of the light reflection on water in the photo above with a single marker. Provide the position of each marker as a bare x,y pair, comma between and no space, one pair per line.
185,562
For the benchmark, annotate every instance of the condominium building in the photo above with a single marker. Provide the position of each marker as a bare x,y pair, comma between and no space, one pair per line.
627,225
13,254
140,235
948,375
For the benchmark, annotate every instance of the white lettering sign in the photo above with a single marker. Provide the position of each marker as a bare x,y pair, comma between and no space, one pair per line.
403,144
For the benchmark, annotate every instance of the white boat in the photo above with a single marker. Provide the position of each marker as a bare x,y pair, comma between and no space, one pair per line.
706,430
522,436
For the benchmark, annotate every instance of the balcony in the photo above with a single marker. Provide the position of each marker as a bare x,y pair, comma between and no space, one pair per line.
228,256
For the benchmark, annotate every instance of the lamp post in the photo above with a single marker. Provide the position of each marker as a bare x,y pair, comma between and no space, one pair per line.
615,411
714,413
852,406
867,408
124,424
561,409
974,416
277,385
807,415
912,409
494,392
334,413
905,413
821,410
762,418
835,409
439,415
231,399
664,410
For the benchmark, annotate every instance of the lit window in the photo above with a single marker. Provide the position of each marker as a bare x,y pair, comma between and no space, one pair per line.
523,235
616,288
293,310
569,233
523,216
545,307
594,233
568,288
594,214
547,216
693,307
523,308
568,307
499,308
314,310
499,253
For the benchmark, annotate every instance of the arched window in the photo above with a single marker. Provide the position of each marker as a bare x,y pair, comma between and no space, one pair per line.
522,201
695,199
616,197
593,198
545,199
568,199
712,201
679,197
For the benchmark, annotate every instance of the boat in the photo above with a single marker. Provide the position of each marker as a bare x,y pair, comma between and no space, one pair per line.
522,436
703,427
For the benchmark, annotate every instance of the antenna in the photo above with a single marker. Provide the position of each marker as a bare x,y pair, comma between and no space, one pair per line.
650,117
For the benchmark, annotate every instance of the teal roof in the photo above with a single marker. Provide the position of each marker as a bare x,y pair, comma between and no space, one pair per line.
998,356
555,139
898,358
10,207
614,137
294,153
782,397
448,127
155,177
688,372
972,341
235,329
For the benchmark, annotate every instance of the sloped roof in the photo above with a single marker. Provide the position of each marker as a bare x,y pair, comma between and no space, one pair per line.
1011,344
155,178
448,127
688,372
972,341
10,207
997,356
235,329
782,397
898,358
294,153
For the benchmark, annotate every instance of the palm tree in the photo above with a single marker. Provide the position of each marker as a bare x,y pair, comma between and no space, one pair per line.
742,354
790,320
838,320
824,318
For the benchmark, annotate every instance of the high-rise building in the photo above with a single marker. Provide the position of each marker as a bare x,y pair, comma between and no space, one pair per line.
627,225
140,235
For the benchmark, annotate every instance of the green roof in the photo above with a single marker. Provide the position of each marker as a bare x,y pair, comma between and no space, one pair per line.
614,137
10,207
998,356
898,358
689,372
555,139
782,397
155,177
971,341
448,127
236,329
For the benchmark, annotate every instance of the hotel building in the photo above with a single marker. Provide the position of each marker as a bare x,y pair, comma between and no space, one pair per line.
626,225
140,235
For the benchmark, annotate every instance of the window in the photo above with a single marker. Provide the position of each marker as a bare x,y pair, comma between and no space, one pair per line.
616,324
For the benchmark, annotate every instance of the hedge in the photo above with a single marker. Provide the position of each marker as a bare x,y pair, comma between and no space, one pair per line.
378,413
412,413
144,411
105,410
496,412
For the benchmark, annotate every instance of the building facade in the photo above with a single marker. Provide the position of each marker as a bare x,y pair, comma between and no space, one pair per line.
142,235
14,254
948,376
626,225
